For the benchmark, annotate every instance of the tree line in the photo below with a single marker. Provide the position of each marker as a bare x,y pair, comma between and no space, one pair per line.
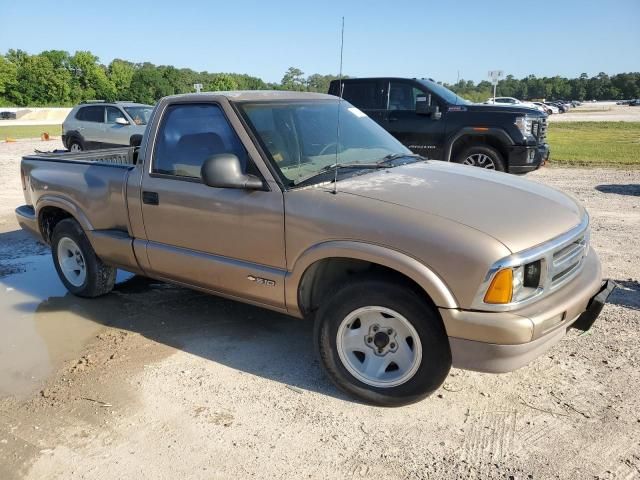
58,78
599,87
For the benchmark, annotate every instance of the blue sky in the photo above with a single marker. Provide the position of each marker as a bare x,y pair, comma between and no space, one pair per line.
441,39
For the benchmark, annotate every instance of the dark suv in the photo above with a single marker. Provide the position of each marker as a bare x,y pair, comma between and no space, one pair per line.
434,122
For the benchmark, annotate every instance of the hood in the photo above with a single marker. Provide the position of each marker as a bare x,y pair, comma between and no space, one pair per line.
519,213
497,108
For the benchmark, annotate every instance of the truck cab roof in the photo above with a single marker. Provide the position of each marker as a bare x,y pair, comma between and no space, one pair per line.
251,96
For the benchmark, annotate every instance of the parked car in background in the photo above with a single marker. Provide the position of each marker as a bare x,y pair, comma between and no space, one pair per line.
98,124
635,103
513,102
436,123
548,109
405,266
6,115
559,105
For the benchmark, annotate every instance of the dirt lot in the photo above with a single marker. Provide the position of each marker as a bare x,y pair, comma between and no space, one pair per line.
177,384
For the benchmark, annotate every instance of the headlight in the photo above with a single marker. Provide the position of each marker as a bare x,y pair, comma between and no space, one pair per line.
524,124
514,284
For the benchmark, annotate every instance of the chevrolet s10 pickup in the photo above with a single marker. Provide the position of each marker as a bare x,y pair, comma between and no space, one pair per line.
300,203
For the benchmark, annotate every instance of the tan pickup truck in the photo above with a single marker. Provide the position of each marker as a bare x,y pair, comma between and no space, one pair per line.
300,203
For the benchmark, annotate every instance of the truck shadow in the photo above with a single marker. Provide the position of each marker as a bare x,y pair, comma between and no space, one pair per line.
243,337
627,294
631,189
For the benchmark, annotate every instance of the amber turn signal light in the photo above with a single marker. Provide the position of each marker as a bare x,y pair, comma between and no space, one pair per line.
501,288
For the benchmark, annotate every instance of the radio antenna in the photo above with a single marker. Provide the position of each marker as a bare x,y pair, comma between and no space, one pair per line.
341,88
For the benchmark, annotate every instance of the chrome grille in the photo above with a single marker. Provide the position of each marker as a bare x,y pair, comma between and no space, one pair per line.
567,260
541,134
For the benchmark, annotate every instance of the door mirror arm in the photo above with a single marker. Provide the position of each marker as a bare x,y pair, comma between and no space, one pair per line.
224,171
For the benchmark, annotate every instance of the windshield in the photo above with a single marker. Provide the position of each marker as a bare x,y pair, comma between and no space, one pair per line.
301,137
139,115
444,93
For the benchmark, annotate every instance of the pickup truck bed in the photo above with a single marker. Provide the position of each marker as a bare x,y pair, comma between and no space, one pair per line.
97,179
110,156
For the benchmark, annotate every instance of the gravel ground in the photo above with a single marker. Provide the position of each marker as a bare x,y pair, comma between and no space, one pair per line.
183,385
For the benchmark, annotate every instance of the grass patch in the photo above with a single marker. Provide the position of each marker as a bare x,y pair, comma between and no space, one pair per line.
594,143
28,131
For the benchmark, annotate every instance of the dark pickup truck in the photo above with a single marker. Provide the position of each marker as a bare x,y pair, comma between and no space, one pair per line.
436,123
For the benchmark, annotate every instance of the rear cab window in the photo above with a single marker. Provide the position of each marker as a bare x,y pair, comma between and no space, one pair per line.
190,134
366,95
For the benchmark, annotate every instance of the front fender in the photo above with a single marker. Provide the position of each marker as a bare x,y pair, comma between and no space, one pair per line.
495,132
428,280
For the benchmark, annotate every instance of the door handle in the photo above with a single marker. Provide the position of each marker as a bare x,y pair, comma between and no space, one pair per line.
393,119
150,198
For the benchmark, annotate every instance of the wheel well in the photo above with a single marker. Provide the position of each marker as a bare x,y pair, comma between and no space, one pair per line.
322,277
469,140
48,218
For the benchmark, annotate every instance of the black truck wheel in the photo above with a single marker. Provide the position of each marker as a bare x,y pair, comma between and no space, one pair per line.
78,266
482,156
382,343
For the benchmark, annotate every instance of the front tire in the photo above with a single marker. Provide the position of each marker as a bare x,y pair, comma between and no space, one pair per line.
75,146
382,343
78,266
482,156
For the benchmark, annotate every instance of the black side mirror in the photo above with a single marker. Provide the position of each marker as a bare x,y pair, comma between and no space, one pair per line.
224,171
135,140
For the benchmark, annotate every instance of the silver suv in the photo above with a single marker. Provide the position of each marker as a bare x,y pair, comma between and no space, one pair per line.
98,124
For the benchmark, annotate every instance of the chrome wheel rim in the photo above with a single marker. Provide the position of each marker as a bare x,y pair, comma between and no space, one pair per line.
480,160
75,148
379,347
71,261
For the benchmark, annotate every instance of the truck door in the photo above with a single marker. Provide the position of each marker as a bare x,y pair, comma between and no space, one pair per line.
422,134
230,241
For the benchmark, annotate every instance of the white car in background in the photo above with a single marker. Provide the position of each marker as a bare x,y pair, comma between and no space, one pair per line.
513,102
550,109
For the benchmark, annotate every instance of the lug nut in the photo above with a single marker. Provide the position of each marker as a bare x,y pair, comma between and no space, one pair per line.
393,345
369,339
375,328
379,350
390,331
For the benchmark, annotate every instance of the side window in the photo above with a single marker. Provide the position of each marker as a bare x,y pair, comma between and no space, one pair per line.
113,113
191,133
402,96
363,95
91,114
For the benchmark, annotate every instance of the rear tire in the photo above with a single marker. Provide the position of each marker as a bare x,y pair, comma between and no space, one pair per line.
482,156
78,266
75,146
409,361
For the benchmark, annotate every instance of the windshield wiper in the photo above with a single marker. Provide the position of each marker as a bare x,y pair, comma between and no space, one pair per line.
395,156
341,166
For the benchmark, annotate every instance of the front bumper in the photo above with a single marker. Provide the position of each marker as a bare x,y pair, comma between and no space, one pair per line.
504,341
523,159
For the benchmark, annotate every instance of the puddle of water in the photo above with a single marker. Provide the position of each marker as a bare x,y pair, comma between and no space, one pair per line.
42,325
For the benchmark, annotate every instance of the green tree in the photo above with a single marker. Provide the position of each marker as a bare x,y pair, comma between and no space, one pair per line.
222,82
90,80
8,80
293,79
120,74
